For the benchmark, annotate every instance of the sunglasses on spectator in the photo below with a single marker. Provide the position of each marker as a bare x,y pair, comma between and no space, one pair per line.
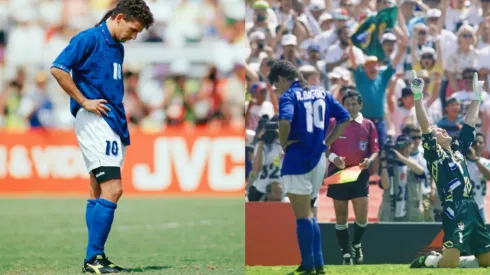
427,56
426,80
467,35
416,137
485,1
467,77
422,33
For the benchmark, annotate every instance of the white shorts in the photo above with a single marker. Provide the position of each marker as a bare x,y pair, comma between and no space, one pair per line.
306,184
100,145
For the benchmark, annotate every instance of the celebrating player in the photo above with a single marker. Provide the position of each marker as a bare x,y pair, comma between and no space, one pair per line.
464,230
96,88
304,114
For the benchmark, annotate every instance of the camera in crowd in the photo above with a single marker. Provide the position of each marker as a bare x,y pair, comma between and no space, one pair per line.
270,128
391,145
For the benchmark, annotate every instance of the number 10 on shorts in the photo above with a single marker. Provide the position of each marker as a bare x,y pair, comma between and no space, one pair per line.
111,148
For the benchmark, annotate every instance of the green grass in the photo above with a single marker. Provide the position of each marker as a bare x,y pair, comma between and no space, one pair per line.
154,236
368,270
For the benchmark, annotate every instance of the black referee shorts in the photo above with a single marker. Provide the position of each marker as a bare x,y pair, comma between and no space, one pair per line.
350,190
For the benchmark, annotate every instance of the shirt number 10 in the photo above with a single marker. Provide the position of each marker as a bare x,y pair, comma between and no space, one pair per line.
315,115
117,75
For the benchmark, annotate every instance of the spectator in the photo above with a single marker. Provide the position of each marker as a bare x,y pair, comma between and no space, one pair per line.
289,44
479,169
429,60
314,59
310,74
36,107
275,193
372,84
338,54
404,112
464,96
261,22
452,120
258,46
258,106
327,35
465,56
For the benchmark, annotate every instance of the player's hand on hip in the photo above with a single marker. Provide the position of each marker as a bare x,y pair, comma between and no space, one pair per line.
417,86
365,163
339,162
477,88
96,106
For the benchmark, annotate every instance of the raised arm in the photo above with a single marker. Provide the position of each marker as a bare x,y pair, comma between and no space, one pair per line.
417,86
474,108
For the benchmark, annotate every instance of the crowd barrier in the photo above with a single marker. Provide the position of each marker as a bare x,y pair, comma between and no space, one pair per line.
270,238
176,161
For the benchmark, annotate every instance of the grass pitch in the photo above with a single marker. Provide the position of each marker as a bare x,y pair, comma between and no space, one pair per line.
151,236
368,270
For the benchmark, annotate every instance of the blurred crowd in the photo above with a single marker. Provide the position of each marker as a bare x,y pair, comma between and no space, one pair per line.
174,92
372,46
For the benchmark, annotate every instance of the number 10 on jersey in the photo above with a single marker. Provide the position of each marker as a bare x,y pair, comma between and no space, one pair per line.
315,115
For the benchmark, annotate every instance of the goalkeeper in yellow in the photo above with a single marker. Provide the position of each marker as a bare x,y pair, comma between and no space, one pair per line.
464,229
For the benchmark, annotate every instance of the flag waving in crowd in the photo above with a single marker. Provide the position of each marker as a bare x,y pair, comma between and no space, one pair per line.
366,33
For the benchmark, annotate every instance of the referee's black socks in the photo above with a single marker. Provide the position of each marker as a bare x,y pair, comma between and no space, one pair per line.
343,237
358,232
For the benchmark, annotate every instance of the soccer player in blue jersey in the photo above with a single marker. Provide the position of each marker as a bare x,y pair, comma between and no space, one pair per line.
94,57
304,114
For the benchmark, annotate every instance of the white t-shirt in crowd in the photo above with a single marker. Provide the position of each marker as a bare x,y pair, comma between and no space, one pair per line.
335,53
401,116
479,181
257,111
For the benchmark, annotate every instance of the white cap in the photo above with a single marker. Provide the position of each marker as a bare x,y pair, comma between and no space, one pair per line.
257,35
434,13
388,37
428,50
408,1
289,39
317,5
307,69
324,17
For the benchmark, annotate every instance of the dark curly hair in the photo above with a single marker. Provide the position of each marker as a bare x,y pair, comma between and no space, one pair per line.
287,70
132,10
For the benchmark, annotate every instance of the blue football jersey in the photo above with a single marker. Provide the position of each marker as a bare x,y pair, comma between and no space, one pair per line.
95,60
309,112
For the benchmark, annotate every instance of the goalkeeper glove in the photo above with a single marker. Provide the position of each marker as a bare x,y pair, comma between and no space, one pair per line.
477,88
417,86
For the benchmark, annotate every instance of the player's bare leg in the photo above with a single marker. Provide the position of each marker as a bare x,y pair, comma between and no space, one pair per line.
94,188
111,190
484,259
341,213
450,259
361,212
302,211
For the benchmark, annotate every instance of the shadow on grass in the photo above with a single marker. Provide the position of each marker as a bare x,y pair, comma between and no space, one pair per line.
148,268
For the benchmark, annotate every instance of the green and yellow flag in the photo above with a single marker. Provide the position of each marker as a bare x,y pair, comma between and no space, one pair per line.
366,36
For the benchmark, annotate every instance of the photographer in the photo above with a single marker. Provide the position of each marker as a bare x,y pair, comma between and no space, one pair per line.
267,160
402,179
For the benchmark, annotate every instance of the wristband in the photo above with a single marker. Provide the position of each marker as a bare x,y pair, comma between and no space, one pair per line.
332,157
417,96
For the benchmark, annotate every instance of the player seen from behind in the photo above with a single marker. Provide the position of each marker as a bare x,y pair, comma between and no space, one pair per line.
96,89
463,226
304,114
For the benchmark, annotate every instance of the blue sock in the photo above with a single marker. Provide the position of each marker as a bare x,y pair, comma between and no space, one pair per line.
88,213
304,230
317,244
100,225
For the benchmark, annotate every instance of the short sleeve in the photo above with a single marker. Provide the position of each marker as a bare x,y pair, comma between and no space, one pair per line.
432,151
466,138
373,139
286,107
74,53
387,73
337,111
451,63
